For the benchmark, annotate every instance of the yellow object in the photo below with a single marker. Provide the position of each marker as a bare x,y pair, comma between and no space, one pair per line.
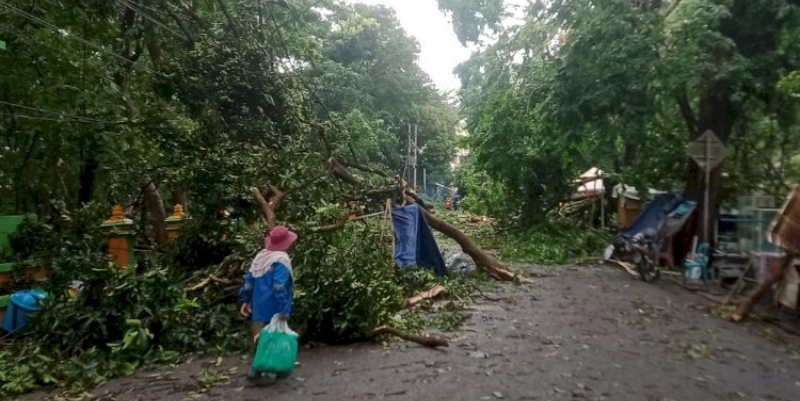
118,229
175,221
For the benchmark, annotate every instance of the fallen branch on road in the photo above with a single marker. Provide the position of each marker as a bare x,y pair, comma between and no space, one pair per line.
430,294
627,266
425,339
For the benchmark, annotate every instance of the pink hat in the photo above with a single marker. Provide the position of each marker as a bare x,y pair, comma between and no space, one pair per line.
280,239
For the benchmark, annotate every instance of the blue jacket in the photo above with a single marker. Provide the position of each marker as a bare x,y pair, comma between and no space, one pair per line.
269,294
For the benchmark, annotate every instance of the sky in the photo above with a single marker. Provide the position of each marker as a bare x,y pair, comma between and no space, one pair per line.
441,51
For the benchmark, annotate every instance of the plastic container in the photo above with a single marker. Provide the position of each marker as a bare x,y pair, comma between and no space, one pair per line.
20,306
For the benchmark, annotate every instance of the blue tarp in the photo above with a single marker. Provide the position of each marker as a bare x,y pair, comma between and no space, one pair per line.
669,208
415,243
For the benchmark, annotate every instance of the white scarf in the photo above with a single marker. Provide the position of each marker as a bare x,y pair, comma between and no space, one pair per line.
264,260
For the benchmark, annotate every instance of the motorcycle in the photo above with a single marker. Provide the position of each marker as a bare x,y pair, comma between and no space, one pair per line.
645,258
641,250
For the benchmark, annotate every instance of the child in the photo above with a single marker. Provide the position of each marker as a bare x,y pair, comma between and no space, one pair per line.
267,288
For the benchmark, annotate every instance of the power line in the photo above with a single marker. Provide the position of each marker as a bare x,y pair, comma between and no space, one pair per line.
27,117
66,33
83,119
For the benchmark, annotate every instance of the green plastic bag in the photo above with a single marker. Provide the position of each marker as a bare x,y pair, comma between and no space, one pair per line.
277,349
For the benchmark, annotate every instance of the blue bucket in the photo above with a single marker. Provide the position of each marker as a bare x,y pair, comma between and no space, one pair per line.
22,303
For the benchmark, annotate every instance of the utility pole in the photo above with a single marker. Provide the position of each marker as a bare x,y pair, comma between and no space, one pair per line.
407,170
424,180
415,157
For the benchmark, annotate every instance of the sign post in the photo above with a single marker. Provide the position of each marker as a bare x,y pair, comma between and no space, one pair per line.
708,152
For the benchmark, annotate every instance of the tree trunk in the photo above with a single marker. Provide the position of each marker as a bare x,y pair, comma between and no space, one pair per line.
155,208
87,177
717,113
151,40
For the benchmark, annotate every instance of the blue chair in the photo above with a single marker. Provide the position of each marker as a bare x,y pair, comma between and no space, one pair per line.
697,268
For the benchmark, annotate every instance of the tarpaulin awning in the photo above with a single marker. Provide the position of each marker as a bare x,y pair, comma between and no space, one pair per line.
668,209
416,245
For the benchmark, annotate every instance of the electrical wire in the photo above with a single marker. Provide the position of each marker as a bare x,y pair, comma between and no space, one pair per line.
85,119
66,33
27,117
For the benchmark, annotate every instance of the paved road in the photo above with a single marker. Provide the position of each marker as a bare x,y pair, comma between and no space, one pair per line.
590,333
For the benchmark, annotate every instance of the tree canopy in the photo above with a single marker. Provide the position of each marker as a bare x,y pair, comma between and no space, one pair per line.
625,85
203,98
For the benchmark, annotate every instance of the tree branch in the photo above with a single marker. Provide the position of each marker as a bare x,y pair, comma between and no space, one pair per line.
228,16
418,200
365,169
268,208
341,172
181,25
155,207
671,8
371,193
686,112
427,340
333,227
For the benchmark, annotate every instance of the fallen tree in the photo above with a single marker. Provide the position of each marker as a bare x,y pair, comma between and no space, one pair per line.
481,258
338,168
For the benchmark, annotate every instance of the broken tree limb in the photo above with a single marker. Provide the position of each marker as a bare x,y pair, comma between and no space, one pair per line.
434,292
229,261
341,172
418,200
268,207
208,280
427,340
333,227
627,266
775,276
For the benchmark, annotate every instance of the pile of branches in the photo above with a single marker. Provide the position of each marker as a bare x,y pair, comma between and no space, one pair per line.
361,198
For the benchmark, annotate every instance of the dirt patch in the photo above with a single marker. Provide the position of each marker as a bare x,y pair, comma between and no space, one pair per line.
590,333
